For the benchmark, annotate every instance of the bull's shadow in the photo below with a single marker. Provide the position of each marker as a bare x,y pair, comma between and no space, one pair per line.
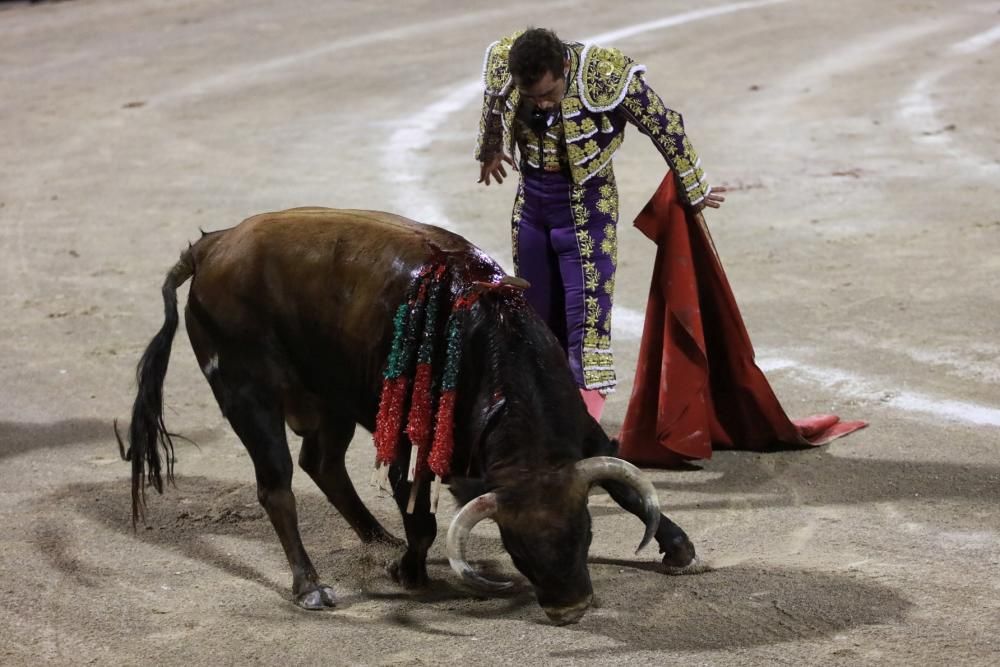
22,437
198,507
639,609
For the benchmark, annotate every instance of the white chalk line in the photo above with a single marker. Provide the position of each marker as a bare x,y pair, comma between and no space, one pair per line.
970,360
978,42
627,324
918,110
857,387
411,192
413,134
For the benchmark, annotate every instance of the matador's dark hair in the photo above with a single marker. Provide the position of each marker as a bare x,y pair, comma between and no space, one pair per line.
535,52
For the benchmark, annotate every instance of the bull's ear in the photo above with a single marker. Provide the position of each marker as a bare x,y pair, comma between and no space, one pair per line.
466,488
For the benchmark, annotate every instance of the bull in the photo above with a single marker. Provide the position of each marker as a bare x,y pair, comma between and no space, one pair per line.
290,315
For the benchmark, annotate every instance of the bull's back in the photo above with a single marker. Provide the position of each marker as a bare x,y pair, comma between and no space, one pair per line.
316,237
315,259
324,283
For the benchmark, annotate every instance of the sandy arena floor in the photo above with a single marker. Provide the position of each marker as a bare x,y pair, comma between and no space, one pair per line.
862,237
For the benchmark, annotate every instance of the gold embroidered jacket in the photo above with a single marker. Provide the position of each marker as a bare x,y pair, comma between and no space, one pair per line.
606,91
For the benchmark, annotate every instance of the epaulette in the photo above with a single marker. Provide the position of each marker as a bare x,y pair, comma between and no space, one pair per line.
604,77
496,72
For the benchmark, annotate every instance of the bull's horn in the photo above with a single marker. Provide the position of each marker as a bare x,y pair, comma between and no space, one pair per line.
477,509
598,468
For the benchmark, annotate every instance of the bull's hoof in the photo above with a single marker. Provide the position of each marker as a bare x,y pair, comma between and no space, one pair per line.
408,574
567,614
320,597
679,553
696,566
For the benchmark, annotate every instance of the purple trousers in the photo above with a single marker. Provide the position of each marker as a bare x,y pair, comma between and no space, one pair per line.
565,245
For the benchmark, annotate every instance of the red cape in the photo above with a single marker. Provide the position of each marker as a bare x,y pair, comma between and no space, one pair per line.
696,383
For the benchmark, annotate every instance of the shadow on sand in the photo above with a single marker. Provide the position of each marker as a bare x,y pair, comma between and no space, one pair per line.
638,609
21,437
816,477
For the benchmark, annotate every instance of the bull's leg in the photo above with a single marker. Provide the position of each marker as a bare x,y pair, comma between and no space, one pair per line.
261,426
322,457
678,552
421,527
255,416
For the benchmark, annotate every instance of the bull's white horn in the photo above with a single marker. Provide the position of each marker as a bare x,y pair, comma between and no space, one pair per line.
597,468
477,509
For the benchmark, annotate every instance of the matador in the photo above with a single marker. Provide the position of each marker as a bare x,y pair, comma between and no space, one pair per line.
563,107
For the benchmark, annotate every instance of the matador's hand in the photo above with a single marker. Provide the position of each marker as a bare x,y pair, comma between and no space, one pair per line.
713,199
494,168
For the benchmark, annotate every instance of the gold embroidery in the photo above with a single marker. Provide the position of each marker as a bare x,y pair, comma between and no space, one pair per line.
609,246
582,169
585,242
608,202
591,278
609,289
580,213
606,74
593,311
666,129
509,114
515,221
584,129
554,158
496,73
571,106
597,358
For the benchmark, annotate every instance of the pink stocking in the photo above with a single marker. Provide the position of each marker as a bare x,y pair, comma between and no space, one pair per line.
595,402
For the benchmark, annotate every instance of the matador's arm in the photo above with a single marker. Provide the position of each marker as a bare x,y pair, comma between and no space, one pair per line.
643,108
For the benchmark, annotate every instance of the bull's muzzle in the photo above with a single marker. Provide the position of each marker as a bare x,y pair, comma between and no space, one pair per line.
567,614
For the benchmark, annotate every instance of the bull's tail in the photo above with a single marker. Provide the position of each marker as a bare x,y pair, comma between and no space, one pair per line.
147,433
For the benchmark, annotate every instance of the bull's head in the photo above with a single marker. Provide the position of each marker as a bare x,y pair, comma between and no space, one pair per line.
546,530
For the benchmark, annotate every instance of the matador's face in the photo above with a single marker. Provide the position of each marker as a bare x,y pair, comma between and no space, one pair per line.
548,92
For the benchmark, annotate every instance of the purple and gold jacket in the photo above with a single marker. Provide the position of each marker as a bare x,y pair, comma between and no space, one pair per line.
606,91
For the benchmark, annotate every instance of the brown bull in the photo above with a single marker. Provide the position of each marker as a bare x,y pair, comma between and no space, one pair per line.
290,315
